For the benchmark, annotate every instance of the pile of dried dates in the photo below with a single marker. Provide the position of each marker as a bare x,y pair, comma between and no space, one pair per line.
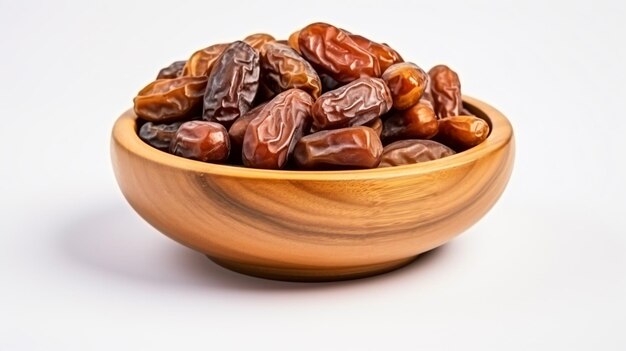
324,99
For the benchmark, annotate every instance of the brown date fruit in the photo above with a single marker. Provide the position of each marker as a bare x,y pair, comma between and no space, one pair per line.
170,100
377,125
202,141
418,122
159,135
283,69
462,132
174,70
406,82
258,40
272,135
406,152
202,61
386,56
238,130
346,148
353,104
293,41
445,88
331,51
232,84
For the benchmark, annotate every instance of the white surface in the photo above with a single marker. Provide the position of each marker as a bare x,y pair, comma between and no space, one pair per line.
545,269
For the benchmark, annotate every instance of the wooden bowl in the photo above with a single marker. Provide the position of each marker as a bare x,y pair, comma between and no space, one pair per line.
313,225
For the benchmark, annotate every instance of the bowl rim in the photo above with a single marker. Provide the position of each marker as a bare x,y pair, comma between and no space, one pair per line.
125,135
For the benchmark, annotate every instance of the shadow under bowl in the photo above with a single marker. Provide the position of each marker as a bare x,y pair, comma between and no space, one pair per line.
313,225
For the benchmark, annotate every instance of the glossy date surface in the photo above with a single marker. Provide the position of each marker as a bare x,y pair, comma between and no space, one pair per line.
174,70
462,132
202,61
232,84
159,135
445,88
418,122
282,68
170,100
271,136
407,83
406,152
202,141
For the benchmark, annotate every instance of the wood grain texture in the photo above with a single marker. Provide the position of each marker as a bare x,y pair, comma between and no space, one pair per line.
313,225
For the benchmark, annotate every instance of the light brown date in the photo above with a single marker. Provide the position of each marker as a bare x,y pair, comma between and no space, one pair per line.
203,141
376,125
238,130
407,83
406,152
331,51
353,104
445,88
170,100
283,69
346,148
202,61
462,132
293,41
418,122
258,40
272,135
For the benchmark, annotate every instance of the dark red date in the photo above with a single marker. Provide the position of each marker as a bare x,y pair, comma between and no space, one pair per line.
445,88
232,84
272,135
202,141
331,51
386,56
418,122
283,69
346,148
462,132
406,152
353,104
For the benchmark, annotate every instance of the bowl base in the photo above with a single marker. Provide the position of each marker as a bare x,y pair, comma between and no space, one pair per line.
312,275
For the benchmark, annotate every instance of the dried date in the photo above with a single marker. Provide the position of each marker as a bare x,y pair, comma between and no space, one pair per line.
232,84
271,136
159,135
462,132
386,56
406,152
203,141
331,50
406,82
258,40
445,88
376,125
353,104
283,69
170,100
418,122
202,61
347,148
238,130
174,70
293,41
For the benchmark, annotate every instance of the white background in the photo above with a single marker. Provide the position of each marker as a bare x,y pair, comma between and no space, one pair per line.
545,269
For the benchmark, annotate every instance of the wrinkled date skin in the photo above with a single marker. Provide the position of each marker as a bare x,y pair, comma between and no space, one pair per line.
386,56
258,40
353,104
272,135
331,50
159,135
406,82
202,61
202,141
283,69
462,132
174,70
170,100
418,122
406,152
232,84
346,148
445,88
238,130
